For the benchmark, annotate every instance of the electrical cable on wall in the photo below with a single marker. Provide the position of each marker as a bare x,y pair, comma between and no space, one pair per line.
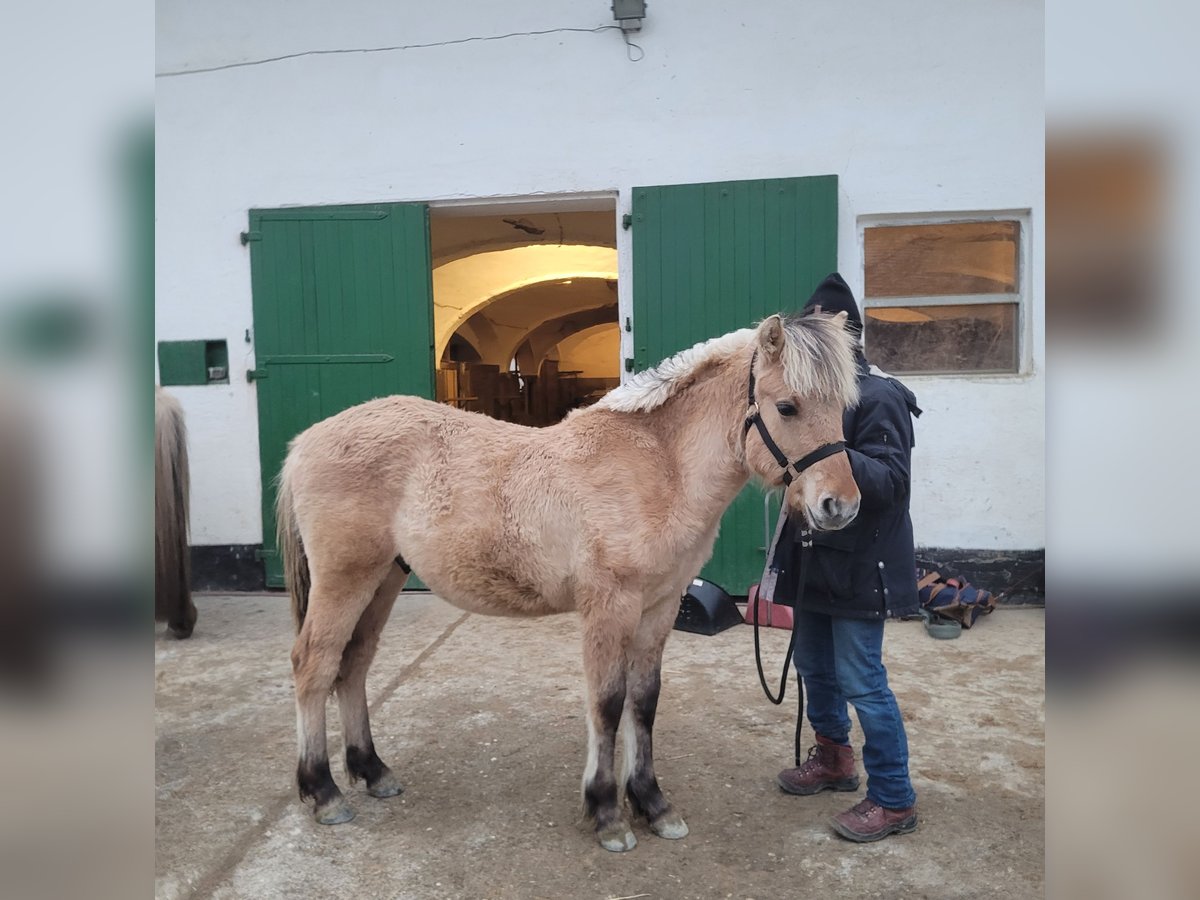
629,48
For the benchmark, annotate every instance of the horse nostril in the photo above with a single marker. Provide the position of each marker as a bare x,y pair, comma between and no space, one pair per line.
829,506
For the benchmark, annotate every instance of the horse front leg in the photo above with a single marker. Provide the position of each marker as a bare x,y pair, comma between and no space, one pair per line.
605,640
642,688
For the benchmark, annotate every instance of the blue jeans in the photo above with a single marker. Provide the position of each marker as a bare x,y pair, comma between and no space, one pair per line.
840,660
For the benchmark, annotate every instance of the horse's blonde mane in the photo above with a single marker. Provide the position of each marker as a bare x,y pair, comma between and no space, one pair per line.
819,358
652,388
818,361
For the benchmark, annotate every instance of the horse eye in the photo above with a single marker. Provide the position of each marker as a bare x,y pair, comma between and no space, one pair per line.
786,409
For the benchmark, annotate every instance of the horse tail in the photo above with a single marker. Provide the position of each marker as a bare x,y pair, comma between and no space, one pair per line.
172,576
291,549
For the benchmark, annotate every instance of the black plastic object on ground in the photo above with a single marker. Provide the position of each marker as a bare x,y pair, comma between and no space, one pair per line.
706,609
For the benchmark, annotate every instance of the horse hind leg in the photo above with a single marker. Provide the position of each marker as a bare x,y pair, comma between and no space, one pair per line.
641,703
362,762
335,605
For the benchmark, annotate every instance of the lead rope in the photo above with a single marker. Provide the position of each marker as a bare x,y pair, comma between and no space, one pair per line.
753,417
787,661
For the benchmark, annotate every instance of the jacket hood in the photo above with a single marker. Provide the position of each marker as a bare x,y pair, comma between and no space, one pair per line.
833,295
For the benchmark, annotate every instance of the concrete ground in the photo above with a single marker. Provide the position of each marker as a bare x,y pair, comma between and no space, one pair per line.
482,720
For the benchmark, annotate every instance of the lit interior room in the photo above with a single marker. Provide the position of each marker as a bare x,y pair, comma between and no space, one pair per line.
525,310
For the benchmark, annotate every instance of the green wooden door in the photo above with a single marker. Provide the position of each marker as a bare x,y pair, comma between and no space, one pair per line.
709,259
343,313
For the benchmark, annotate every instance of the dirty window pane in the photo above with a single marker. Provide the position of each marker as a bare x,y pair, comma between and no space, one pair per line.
939,339
951,258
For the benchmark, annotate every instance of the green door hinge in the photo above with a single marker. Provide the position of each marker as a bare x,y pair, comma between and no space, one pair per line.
627,221
628,364
257,374
248,236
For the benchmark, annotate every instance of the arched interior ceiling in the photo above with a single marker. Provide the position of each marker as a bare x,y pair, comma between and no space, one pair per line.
504,294
454,234
541,342
593,352
461,349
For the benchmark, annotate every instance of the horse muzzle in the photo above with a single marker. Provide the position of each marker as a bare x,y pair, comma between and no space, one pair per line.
833,513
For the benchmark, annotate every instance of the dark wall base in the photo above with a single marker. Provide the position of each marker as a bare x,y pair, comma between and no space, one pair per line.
1020,575
228,567
1017,577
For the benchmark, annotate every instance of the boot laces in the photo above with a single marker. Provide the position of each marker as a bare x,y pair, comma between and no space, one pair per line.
814,759
864,807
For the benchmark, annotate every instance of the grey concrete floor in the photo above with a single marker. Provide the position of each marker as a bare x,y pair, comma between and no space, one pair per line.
482,720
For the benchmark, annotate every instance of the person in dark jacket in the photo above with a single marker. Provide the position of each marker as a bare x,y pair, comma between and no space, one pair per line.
856,578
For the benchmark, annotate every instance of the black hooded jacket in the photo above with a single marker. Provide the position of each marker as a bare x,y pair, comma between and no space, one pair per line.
867,570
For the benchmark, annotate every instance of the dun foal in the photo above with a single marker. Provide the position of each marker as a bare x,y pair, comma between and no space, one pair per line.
609,513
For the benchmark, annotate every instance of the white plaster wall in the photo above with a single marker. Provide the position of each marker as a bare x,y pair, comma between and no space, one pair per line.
918,108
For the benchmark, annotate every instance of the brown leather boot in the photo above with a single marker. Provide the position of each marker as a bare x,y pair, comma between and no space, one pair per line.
829,767
868,821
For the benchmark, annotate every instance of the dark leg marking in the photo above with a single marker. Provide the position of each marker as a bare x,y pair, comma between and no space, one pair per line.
316,783
600,795
364,764
645,796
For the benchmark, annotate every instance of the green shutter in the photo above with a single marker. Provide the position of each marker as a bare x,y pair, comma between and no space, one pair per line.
709,259
343,313
193,362
181,362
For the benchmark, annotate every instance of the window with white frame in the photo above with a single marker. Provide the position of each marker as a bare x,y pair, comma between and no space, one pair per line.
943,297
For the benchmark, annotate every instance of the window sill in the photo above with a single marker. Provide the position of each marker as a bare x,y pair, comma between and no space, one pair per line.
972,377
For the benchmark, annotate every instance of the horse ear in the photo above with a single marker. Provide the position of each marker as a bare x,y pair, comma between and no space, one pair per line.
770,336
841,318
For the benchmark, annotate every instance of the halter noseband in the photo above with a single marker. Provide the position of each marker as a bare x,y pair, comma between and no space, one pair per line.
753,417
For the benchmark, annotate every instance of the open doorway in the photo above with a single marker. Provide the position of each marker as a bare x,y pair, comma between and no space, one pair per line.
525,307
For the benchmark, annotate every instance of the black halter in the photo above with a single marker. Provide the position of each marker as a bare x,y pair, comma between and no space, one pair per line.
753,417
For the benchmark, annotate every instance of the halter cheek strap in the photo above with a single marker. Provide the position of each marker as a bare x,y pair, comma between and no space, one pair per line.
754,417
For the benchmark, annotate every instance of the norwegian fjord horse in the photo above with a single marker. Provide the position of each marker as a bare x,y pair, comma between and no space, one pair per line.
610,513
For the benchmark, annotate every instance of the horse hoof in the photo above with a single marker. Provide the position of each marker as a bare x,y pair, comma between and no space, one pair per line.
387,786
335,812
617,838
670,825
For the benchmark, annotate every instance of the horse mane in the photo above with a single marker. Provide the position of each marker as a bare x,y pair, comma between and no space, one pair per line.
820,358
818,361
652,388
